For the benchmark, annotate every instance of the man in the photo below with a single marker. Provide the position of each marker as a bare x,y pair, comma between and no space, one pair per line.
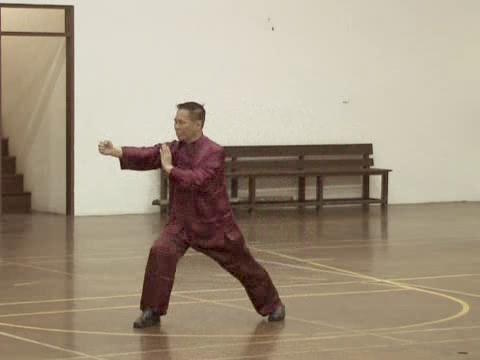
200,217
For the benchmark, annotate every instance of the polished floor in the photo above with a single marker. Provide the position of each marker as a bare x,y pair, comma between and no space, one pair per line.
401,284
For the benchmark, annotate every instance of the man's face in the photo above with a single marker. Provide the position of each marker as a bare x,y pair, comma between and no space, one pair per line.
186,128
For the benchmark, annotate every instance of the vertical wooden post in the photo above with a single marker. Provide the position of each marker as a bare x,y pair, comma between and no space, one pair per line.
301,182
1,131
251,193
384,189
319,196
70,108
234,180
163,192
366,180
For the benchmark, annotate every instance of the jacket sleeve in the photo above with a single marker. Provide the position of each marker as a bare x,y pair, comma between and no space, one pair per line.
141,158
201,176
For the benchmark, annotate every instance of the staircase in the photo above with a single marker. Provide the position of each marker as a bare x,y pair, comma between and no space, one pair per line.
14,198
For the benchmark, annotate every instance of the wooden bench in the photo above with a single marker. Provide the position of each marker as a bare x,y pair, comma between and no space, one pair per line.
299,162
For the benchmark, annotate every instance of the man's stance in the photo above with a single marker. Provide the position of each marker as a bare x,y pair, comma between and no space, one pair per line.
200,217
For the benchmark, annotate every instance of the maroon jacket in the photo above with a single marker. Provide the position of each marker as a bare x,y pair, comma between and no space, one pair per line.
198,193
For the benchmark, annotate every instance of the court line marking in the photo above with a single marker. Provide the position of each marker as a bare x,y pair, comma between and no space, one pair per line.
196,335
305,278
334,349
377,244
294,296
373,329
58,348
176,292
449,291
325,336
343,335
45,269
117,258
35,267
74,259
269,354
72,256
78,260
202,347
68,311
26,283
322,323
443,329
430,277
72,311
135,252
308,260
465,307
139,334
93,298
358,275
299,267
88,298
267,342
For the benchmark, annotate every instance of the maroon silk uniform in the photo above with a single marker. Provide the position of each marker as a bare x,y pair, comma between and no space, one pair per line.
200,217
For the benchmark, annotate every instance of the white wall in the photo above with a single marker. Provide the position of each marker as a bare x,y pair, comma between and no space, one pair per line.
34,111
408,70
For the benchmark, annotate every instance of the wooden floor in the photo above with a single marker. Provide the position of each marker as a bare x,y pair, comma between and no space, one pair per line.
357,284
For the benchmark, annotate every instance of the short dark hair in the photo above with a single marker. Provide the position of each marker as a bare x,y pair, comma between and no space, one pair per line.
196,110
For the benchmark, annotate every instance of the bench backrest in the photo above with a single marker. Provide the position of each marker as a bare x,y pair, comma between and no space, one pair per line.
268,157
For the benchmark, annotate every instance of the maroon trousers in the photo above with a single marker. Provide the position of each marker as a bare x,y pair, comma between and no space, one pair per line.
232,255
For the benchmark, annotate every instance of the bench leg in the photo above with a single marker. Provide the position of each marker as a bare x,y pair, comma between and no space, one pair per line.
251,193
319,195
365,189
163,193
234,188
384,189
301,191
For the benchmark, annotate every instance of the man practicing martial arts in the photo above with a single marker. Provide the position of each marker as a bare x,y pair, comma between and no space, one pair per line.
200,217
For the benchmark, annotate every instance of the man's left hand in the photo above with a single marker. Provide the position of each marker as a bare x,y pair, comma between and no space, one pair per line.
166,157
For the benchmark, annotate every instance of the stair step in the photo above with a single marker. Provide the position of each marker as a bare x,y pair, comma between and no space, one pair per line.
4,146
12,184
9,165
17,203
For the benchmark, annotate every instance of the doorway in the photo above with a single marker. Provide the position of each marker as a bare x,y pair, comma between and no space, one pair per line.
37,102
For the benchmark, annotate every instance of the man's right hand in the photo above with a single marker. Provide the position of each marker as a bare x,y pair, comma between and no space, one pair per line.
106,147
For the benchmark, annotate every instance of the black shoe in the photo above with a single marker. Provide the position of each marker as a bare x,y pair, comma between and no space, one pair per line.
278,314
147,319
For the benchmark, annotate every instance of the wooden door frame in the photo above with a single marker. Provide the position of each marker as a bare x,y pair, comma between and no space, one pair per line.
68,34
